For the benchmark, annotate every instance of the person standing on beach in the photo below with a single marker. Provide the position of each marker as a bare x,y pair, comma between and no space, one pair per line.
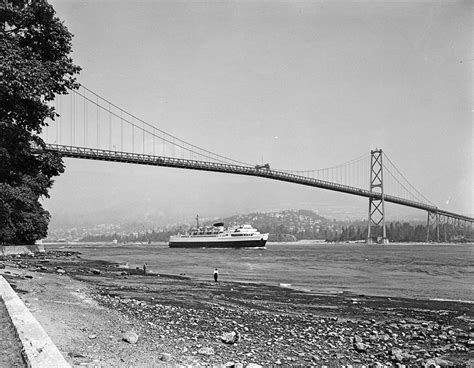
216,274
144,269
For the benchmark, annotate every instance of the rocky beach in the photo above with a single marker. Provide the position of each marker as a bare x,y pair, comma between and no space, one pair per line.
102,314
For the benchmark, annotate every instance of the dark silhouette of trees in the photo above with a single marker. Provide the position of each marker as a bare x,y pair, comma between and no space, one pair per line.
34,68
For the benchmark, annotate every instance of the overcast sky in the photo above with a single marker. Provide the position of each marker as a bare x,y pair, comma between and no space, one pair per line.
301,84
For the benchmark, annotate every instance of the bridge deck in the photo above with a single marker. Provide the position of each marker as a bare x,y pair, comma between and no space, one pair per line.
143,159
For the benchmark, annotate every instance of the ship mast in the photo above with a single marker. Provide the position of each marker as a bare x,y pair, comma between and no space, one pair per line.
197,221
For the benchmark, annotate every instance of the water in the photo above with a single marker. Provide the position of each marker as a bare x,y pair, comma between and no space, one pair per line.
429,271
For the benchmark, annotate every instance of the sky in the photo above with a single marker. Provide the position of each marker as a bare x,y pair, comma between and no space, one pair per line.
298,84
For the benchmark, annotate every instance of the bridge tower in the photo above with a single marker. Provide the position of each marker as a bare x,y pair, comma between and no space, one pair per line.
376,218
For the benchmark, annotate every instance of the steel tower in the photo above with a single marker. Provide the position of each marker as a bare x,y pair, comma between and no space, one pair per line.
376,217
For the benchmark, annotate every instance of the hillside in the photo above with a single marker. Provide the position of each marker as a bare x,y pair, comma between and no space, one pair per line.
286,225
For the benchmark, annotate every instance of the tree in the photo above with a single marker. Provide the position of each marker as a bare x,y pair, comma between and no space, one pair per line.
34,67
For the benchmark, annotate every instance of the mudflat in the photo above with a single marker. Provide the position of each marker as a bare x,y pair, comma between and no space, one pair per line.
101,314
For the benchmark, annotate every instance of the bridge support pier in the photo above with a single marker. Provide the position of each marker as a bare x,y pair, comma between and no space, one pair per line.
453,229
435,217
376,219
443,221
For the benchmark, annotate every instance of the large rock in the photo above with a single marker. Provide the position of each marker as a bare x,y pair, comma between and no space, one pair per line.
230,337
398,355
165,357
206,351
359,346
130,337
437,362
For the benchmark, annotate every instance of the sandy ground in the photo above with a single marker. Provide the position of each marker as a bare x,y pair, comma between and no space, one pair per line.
86,307
10,344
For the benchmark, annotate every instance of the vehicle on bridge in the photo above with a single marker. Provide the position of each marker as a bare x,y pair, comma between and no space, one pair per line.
265,166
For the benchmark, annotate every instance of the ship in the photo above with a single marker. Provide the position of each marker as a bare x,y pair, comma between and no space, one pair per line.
218,236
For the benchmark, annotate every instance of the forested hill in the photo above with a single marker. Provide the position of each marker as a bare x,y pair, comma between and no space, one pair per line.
288,225
284,225
307,224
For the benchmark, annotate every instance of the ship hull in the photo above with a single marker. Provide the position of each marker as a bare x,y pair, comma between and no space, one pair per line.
217,244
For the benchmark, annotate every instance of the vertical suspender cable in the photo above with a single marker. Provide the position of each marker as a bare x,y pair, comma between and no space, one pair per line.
45,132
85,118
60,118
56,120
110,129
98,123
72,119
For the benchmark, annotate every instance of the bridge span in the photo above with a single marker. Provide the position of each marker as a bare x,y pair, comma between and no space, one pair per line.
144,159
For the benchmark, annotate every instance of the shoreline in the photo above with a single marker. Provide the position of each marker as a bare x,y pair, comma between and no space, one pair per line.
186,319
410,271
313,242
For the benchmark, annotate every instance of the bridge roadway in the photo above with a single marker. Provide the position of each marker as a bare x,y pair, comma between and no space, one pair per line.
143,159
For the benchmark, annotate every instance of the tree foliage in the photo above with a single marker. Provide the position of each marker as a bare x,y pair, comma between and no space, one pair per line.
35,66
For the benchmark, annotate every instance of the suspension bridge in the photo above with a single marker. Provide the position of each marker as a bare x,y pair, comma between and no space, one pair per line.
91,127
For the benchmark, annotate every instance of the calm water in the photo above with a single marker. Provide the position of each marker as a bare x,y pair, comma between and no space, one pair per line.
406,270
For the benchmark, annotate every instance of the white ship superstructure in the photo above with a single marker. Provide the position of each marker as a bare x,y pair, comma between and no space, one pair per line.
217,236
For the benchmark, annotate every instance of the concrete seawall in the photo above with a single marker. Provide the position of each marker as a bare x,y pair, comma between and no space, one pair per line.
40,351
7,250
